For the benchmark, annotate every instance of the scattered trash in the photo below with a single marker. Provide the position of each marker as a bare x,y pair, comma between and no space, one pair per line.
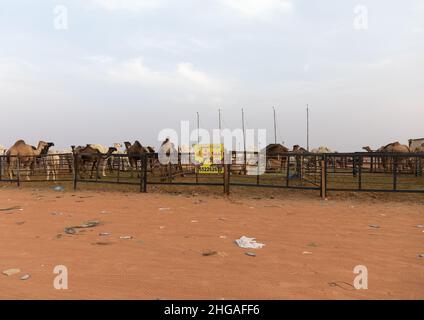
223,237
164,209
59,188
375,226
25,277
420,226
88,224
103,243
341,284
248,243
19,223
194,221
11,272
312,244
104,212
126,237
250,254
162,227
207,253
306,252
104,234
11,209
421,255
59,236
56,213
70,230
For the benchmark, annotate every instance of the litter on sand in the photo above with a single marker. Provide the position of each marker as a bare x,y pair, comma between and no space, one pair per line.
25,277
104,234
58,188
420,226
306,252
125,237
164,209
249,243
11,209
88,224
421,255
207,253
11,272
250,254
375,226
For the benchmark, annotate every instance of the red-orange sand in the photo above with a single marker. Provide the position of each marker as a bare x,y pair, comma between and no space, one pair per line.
312,246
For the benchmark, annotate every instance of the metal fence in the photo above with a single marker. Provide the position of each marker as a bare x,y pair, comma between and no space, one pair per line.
370,172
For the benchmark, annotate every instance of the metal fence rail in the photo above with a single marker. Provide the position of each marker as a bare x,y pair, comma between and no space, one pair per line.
364,172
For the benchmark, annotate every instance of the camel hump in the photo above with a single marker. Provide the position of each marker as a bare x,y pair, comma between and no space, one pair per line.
138,144
19,142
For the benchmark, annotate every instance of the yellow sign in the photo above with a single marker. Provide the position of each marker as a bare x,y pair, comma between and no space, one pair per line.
209,158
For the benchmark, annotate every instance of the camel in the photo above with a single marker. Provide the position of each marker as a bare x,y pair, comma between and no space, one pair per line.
135,153
394,147
26,155
169,159
88,154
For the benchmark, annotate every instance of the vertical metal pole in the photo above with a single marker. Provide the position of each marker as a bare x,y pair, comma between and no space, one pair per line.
119,167
258,171
307,127
18,171
143,180
227,170
360,162
275,127
323,191
75,170
395,166
288,172
244,139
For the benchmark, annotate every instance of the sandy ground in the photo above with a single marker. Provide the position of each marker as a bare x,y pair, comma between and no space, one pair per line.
312,246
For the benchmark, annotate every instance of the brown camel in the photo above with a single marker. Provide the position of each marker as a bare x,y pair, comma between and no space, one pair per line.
394,147
89,155
26,155
135,153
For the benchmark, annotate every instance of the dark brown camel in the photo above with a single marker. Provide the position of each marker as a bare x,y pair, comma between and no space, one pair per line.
89,155
135,153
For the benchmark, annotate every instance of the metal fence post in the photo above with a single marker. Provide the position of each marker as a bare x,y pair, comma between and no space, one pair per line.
360,162
75,160
395,166
143,180
288,172
18,171
227,170
323,192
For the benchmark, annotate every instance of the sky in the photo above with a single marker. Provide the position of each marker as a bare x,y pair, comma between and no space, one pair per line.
105,71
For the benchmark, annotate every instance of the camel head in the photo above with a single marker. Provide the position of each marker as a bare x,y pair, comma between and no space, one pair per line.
44,147
151,149
111,150
166,141
367,148
127,145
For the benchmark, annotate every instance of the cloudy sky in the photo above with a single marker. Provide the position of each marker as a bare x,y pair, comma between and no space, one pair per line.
105,71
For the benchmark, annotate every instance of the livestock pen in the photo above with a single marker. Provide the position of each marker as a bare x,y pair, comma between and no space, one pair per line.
362,172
